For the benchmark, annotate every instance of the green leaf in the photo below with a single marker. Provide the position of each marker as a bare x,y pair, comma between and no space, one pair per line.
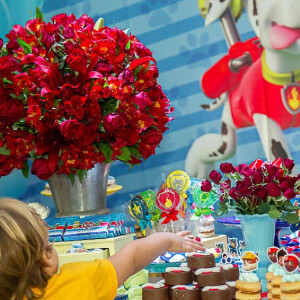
99,24
292,218
27,48
4,151
5,80
135,152
264,208
125,156
110,106
72,177
128,45
39,14
288,206
106,150
274,214
137,70
80,173
25,170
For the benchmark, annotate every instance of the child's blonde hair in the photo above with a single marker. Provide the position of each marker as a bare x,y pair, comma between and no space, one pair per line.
23,240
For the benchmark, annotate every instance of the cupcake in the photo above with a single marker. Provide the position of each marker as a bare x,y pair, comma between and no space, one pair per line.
197,260
221,292
207,229
290,287
249,287
231,272
232,288
185,292
178,276
210,276
157,291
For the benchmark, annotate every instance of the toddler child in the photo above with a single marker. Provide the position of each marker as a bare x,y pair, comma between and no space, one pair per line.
29,263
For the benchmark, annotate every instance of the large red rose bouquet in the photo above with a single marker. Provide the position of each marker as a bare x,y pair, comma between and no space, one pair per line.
74,93
260,188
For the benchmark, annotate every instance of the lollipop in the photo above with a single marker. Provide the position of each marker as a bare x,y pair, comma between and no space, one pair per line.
138,210
149,198
179,181
168,200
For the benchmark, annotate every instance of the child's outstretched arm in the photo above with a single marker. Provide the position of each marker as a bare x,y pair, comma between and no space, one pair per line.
140,253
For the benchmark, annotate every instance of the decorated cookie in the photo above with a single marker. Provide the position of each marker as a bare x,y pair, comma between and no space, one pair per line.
231,272
232,288
249,287
197,260
178,276
185,292
290,287
221,292
210,276
157,291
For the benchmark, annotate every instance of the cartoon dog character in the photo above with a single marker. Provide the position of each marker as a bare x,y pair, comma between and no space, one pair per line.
242,247
232,247
250,261
264,92
220,247
291,263
272,254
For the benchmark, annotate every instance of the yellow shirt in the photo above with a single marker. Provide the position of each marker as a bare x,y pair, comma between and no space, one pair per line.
94,280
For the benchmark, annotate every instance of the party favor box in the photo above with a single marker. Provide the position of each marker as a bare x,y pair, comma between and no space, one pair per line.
56,228
91,227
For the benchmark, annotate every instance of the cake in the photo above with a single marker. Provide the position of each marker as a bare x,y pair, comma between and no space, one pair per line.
197,260
157,291
290,287
221,292
231,272
249,287
185,292
178,276
210,276
207,229
232,288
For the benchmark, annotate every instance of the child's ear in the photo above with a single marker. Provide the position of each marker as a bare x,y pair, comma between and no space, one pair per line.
47,257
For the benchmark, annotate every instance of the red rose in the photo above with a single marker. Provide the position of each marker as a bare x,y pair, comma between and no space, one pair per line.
257,178
142,100
1,43
289,194
33,115
233,193
113,122
215,176
226,168
260,192
72,129
273,189
41,169
244,186
272,170
77,60
288,163
285,185
11,111
206,186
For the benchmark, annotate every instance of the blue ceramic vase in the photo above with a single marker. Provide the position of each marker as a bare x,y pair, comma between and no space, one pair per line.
259,232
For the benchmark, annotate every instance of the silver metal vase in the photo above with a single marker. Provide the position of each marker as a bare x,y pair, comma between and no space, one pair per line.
81,198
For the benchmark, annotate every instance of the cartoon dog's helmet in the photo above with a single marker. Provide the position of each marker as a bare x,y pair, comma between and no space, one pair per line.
272,250
249,255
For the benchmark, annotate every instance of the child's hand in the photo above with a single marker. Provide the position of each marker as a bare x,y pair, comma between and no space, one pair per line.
182,243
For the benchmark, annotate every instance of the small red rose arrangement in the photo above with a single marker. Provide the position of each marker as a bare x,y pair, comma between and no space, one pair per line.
74,93
260,188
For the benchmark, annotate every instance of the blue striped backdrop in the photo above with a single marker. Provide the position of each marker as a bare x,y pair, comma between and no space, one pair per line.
184,49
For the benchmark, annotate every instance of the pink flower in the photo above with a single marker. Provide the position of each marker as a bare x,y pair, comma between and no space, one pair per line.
215,176
206,186
142,100
113,122
1,43
226,168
